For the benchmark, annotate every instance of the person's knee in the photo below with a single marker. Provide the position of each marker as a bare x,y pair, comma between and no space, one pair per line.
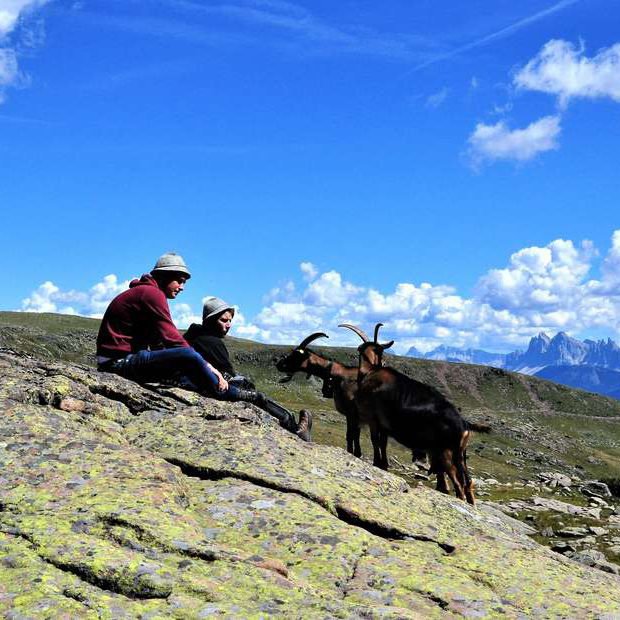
190,357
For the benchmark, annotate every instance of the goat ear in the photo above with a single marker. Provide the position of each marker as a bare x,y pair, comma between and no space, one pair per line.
387,345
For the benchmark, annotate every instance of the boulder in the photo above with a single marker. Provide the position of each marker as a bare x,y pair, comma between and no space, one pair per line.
125,501
595,488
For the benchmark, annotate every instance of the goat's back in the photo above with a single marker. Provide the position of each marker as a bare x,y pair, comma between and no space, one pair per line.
414,413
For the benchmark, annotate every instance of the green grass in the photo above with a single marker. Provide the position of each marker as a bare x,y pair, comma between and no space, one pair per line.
49,322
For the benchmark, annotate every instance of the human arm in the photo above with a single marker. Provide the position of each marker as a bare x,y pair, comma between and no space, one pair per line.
222,384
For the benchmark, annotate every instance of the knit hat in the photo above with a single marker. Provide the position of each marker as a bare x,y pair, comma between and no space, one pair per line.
172,262
214,306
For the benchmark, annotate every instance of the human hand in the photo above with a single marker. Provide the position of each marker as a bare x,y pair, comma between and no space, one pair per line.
222,384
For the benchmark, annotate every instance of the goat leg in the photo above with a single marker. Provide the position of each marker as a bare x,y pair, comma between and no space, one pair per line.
379,444
437,469
353,435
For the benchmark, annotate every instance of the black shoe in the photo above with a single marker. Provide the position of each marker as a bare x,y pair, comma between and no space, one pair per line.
305,425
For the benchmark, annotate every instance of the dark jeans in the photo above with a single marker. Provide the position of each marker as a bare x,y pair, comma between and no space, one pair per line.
145,366
189,368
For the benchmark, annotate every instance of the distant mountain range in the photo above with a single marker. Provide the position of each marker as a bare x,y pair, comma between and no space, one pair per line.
588,364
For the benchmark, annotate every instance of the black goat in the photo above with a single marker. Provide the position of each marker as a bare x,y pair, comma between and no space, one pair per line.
417,416
339,382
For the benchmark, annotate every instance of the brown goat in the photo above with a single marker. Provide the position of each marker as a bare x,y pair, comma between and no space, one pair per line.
417,416
339,382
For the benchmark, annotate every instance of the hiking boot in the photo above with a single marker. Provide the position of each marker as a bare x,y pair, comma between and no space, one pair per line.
305,425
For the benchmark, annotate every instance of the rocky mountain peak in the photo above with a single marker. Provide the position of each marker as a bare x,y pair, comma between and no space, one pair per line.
539,344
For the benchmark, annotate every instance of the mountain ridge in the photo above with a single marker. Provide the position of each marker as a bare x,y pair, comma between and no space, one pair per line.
542,358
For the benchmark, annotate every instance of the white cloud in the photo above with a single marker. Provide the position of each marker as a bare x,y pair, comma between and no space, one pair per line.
41,300
537,278
309,270
490,143
9,71
611,265
540,288
183,315
102,293
562,69
11,13
50,298
436,99
329,290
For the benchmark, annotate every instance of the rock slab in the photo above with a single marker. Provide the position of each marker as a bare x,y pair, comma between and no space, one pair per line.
126,501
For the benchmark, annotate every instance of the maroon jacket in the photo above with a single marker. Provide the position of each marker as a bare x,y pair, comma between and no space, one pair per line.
137,319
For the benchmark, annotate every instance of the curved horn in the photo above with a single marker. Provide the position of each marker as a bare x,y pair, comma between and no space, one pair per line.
306,341
377,326
387,345
357,330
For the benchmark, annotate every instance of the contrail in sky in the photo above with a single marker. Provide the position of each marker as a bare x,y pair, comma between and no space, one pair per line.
559,6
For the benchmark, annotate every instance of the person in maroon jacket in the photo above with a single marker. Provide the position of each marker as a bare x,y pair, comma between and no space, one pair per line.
138,340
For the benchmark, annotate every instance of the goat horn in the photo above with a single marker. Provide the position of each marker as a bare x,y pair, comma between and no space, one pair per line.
306,341
387,345
377,326
357,330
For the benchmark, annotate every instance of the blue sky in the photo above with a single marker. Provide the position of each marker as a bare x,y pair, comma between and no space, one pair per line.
447,168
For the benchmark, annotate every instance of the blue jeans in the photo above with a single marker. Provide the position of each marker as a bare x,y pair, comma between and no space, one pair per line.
145,366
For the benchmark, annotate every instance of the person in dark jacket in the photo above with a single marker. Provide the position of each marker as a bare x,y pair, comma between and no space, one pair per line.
208,340
138,340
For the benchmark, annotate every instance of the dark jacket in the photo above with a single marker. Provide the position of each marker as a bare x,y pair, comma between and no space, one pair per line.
138,319
211,347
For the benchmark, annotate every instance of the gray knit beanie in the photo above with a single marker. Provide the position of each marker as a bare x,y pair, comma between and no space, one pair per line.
171,262
213,306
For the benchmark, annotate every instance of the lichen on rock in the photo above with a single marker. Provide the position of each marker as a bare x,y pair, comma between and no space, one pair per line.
126,501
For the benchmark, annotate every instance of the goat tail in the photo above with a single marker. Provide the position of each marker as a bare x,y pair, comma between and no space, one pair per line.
479,428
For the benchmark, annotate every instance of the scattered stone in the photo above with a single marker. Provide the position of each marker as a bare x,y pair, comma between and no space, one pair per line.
595,488
573,532
598,501
547,532
563,547
554,479
614,521
596,559
491,481
570,509
598,531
